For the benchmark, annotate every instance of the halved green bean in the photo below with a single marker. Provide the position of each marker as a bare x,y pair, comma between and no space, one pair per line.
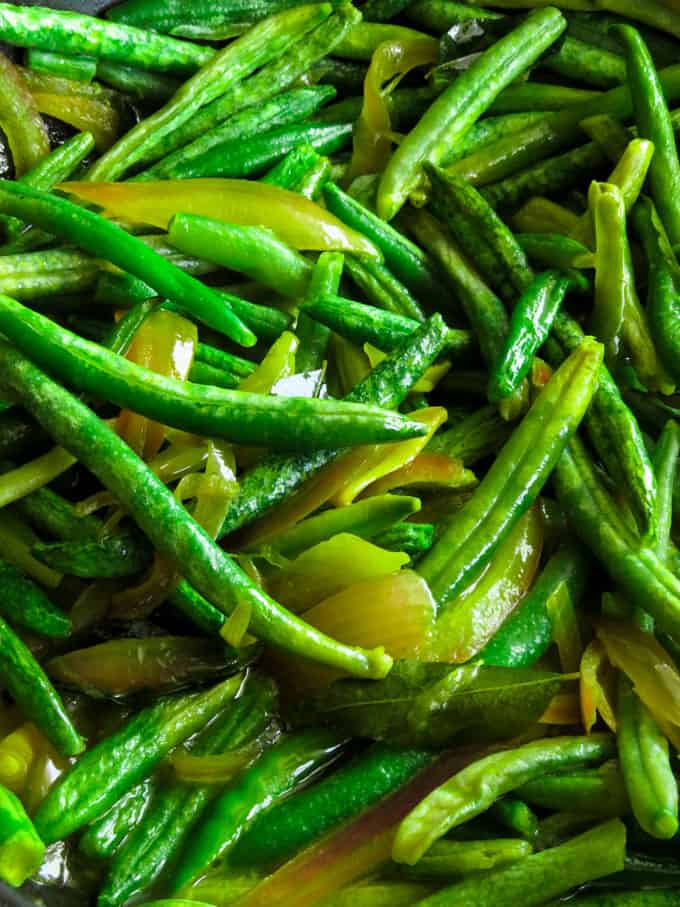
447,859
209,411
263,43
99,237
612,276
166,522
472,535
476,787
457,109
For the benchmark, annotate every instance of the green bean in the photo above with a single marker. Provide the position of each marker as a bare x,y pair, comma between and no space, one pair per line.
615,434
360,43
654,123
545,178
447,859
24,604
104,838
599,792
17,483
220,90
111,558
202,373
246,156
528,633
586,63
530,324
56,516
212,412
123,333
160,835
138,84
71,33
439,15
382,288
612,276
476,436
313,335
165,521
387,385
553,133
483,308
406,260
17,435
636,568
292,168
663,281
489,130
227,361
308,815
553,872
645,762
474,225
30,688
466,795
552,250
117,763
21,850
289,107
365,324
100,237
279,771
462,104
529,96
625,899
472,535
254,251
79,68
515,815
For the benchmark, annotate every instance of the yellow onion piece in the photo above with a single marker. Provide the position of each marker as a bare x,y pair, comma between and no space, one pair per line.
297,221
330,566
597,687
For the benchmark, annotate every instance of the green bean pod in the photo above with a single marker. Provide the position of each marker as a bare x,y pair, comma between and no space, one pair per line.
24,604
104,838
99,237
646,766
206,411
472,535
278,772
313,335
654,123
462,104
530,324
105,772
166,522
29,686
465,795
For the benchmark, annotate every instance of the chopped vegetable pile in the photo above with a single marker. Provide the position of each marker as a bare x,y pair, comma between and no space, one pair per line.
339,441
